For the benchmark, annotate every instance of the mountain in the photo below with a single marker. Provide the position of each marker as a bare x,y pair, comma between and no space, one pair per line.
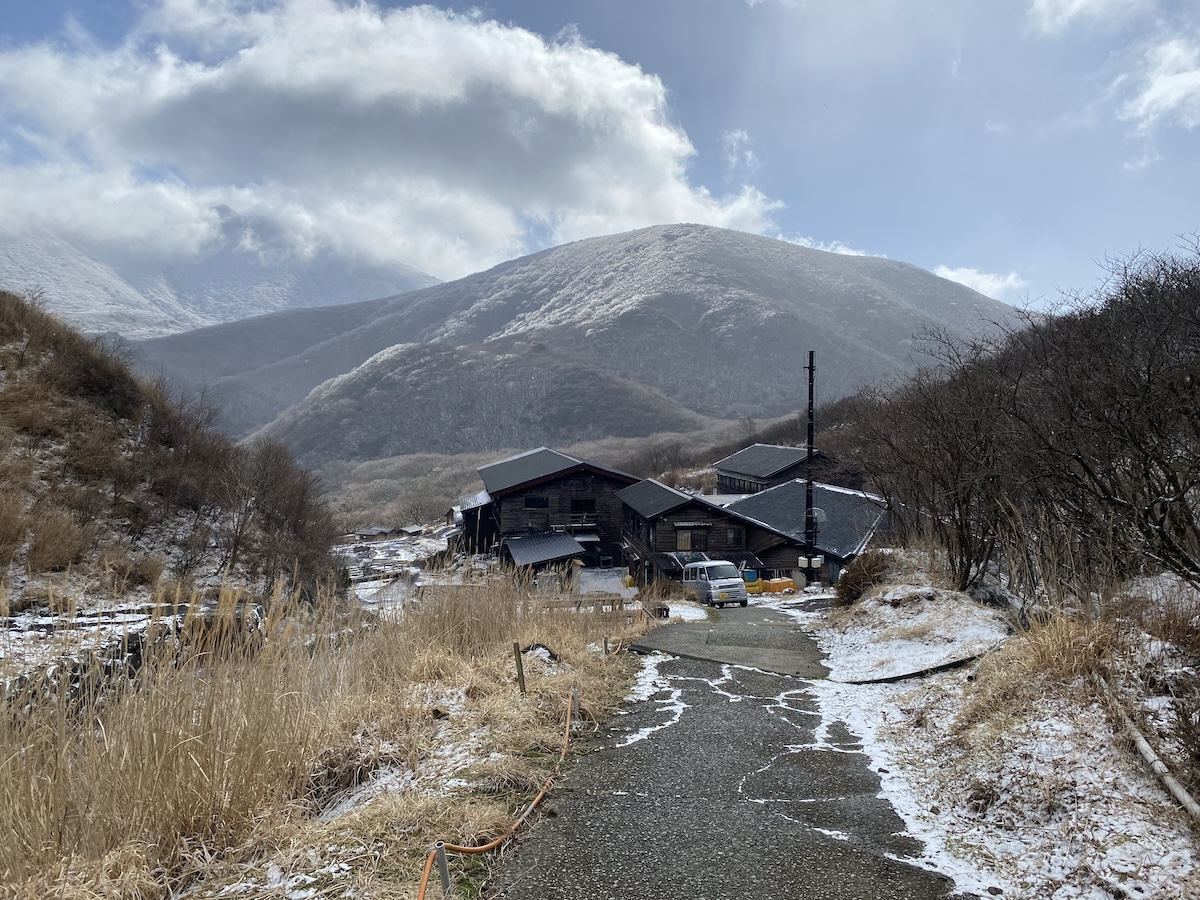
248,271
627,334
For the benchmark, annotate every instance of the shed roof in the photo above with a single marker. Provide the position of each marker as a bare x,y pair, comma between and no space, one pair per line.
764,460
531,549
536,465
474,501
675,561
851,517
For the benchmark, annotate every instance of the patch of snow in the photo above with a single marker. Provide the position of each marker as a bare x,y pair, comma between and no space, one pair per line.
1052,805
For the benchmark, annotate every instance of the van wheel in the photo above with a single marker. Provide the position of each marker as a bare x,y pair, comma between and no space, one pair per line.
744,602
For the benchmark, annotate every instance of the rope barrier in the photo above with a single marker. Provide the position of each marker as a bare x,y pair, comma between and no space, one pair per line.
431,857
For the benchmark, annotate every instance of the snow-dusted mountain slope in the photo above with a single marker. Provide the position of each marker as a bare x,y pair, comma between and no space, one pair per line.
715,322
247,272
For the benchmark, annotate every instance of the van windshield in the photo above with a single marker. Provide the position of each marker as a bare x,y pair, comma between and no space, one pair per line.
716,572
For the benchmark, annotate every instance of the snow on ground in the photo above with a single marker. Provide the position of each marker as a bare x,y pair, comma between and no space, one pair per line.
1045,803
1039,803
908,629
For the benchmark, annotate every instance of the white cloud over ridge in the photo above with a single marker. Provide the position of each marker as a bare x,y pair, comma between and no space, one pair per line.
415,134
998,287
829,247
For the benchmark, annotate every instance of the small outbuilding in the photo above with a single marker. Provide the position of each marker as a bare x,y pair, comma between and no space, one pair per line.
762,466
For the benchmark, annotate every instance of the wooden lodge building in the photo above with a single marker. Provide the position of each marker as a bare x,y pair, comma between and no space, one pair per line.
542,507
666,528
847,520
761,466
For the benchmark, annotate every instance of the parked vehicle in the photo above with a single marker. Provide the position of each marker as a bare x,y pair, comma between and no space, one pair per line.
715,582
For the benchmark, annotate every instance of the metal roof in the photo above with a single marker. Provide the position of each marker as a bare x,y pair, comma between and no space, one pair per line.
764,460
851,517
474,501
536,465
674,562
742,558
651,498
531,549
528,466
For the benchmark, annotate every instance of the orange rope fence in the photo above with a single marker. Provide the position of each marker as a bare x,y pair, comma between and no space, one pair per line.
441,848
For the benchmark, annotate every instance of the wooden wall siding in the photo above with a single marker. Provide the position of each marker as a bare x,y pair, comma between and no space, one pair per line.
479,530
730,483
584,486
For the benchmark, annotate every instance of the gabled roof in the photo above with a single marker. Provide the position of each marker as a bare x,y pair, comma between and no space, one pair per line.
850,517
537,465
764,460
651,498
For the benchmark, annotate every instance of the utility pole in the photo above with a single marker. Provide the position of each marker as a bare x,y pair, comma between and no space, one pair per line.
810,519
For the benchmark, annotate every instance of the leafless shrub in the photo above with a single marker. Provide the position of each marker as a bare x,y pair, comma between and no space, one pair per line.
864,572
121,570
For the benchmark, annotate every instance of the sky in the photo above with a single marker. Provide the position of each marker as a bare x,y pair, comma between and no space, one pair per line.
1012,145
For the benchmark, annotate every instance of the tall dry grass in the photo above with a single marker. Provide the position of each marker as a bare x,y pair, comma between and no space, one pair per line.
1056,655
233,733
59,540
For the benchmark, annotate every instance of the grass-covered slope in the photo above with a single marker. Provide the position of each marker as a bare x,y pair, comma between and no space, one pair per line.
109,484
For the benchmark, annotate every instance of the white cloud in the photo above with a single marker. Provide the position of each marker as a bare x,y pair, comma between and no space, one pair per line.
740,160
991,285
832,247
1169,86
1054,16
414,134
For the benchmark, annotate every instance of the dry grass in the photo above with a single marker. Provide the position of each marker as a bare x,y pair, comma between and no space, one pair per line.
59,541
1053,657
12,524
1172,618
220,749
121,570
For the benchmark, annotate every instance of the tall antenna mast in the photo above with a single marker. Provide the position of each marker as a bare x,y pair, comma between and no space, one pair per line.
810,519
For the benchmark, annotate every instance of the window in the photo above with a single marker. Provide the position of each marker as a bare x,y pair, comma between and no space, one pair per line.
735,536
537,502
691,539
584,506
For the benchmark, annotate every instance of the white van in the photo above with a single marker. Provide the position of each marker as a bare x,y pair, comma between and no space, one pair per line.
715,582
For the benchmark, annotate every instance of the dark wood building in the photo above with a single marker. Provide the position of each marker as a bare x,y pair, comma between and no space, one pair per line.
665,529
543,506
847,521
761,466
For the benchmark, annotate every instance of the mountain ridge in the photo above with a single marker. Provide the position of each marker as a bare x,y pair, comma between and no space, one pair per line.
248,270
714,322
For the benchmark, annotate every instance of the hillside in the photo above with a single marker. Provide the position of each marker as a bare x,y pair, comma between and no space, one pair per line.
247,271
111,491
712,322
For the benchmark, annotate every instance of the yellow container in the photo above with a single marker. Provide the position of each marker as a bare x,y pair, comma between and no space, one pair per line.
754,584
779,585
